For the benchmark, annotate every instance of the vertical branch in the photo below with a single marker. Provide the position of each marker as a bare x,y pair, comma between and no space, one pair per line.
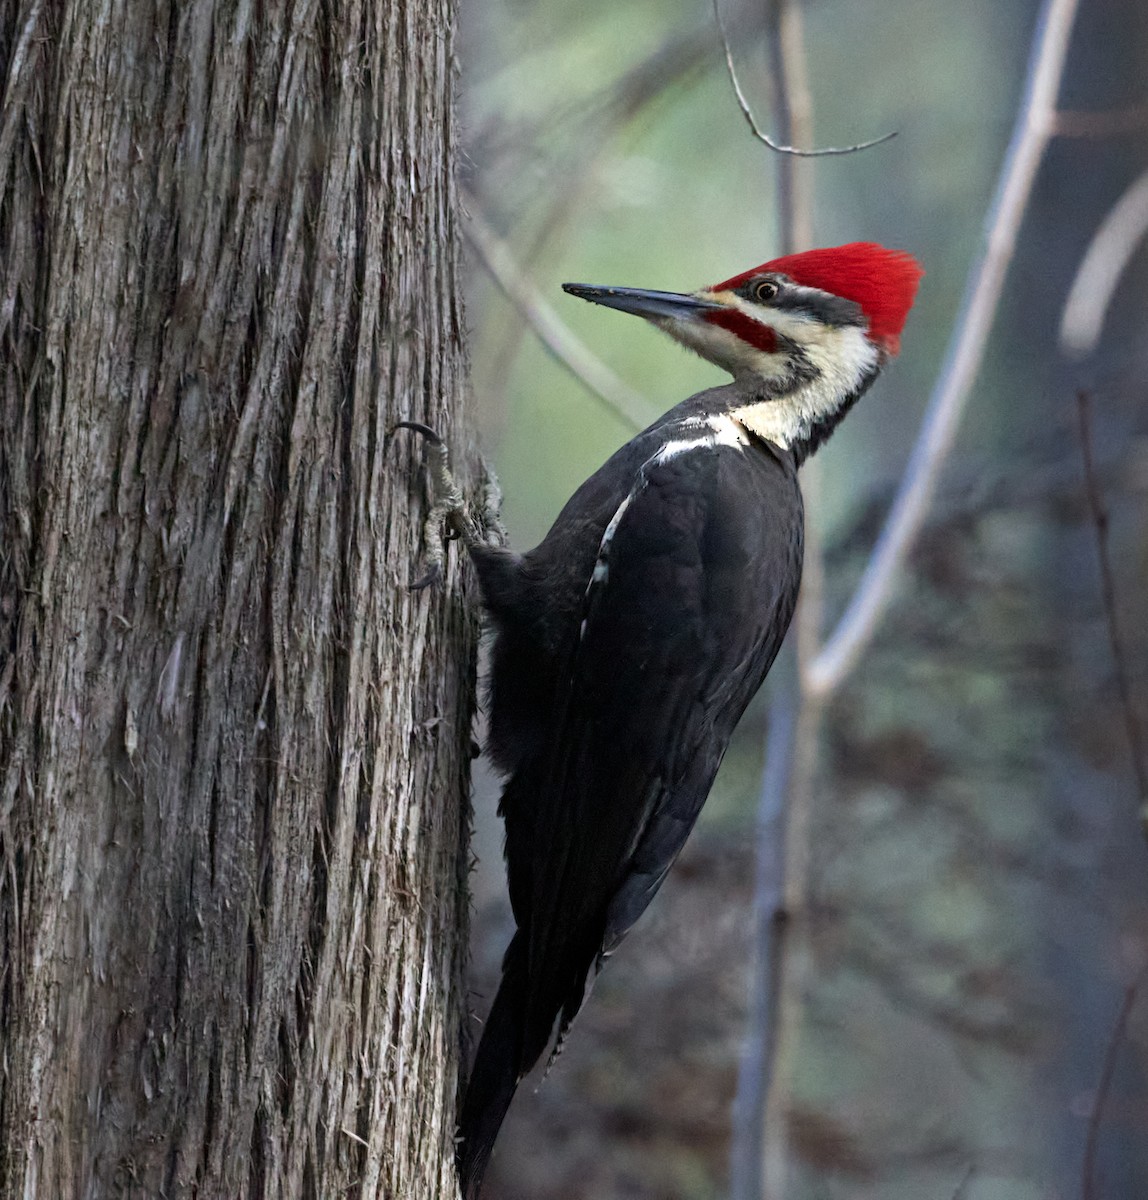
771,917
781,827
1103,1086
792,106
1099,513
780,950
787,961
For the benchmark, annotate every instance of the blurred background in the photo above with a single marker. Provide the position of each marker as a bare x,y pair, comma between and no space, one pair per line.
971,917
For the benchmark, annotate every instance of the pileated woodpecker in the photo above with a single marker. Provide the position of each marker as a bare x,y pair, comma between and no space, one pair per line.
629,642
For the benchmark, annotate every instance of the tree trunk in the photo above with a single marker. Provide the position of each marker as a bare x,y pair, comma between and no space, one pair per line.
233,744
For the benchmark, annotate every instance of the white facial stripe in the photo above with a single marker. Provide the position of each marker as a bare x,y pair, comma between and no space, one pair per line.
843,358
834,351
800,327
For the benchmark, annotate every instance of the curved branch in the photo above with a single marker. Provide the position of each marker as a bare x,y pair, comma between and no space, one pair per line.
1101,268
779,148
1034,128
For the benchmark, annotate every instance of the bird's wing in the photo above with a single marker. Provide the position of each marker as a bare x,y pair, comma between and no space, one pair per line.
691,594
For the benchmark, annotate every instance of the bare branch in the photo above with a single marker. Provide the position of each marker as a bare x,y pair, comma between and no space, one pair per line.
1108,596
770,917
496,256
780,859
966,349
1107,1070
743,104
792,106
1101,268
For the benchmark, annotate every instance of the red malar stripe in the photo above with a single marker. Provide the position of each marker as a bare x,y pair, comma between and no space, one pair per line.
760,336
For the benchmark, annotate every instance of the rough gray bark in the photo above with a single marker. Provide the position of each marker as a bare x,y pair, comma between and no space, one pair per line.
232,743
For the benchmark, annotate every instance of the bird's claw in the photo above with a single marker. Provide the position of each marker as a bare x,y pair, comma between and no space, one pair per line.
433,576
426,430
449,516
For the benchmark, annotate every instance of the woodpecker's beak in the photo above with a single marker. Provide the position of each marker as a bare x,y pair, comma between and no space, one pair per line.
643,303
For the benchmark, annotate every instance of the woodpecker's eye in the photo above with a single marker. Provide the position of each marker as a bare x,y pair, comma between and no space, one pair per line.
766,291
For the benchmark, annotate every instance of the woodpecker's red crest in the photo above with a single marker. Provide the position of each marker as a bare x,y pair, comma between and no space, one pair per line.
883,282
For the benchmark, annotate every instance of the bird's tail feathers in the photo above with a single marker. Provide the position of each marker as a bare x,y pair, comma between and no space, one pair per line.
519,1028
496,1073
570,1009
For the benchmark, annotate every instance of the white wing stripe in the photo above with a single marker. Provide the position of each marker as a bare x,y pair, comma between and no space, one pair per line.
722,432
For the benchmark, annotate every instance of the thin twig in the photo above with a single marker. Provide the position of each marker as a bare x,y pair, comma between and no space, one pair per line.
1099,513
743,104
1107,1070
966,349
494,254
1100,270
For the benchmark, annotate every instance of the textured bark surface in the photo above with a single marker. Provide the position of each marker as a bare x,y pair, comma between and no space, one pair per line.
232,743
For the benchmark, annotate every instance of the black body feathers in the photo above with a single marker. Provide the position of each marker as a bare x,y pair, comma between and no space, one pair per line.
628,644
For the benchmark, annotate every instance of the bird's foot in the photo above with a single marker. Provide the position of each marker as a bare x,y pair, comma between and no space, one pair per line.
493,532
449,515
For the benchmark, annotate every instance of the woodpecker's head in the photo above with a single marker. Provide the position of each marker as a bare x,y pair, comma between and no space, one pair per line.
804,334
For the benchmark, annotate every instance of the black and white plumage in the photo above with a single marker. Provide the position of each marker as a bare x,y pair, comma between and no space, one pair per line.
629,642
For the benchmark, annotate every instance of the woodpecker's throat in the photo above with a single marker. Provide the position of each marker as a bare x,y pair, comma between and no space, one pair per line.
794,395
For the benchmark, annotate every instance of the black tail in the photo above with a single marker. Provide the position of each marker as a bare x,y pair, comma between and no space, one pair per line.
495,1074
